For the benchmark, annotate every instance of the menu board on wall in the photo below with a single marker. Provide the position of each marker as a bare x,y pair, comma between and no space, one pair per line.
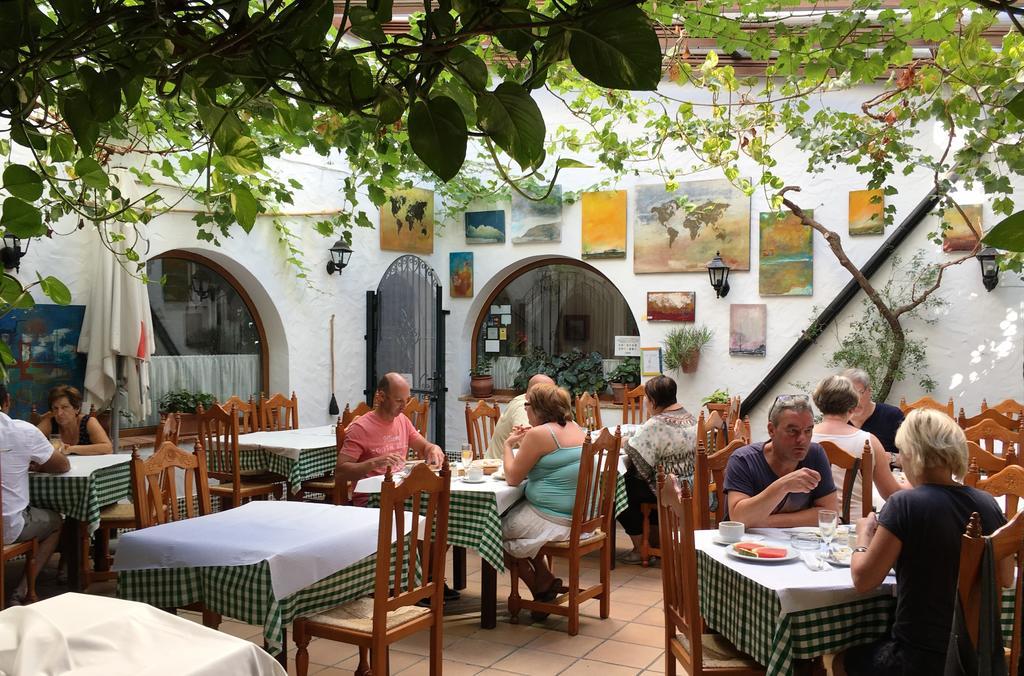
627,346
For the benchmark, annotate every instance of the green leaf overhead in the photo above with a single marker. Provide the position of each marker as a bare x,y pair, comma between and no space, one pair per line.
22,182
91,173
245,207
1008,234
438,135
21,219
617,48
55,290
1016,105
513,119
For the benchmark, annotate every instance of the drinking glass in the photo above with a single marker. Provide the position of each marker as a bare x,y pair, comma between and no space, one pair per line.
827,522
467,454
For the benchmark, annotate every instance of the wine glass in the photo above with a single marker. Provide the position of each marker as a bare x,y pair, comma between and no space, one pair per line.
467,455
827,522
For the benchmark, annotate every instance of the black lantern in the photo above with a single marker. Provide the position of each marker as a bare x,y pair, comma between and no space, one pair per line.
340,253
989,267
11,253
718,271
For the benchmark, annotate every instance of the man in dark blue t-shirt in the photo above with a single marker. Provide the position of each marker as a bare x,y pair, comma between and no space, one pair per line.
785,481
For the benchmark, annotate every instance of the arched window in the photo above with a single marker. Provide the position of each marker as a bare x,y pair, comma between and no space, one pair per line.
555,306
209,337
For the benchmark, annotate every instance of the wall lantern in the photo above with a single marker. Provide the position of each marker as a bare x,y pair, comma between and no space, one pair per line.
718,271
11,253
340,253
989,267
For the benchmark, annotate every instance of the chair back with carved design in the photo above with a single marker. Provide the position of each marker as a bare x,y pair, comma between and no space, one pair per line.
1008,482
995,438
1008,407
732,414
980,461
154,490
248,413
593,507
927,402
218,434
708,480
350,414
480,422
853,467
588,411
169,429
741,429
1008,422
679,568
634,406
279,413
418,412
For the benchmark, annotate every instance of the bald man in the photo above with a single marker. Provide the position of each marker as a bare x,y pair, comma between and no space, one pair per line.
514,416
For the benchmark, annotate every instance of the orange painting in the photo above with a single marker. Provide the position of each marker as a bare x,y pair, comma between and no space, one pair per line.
867,212
460,266
787,256
604,224
957,235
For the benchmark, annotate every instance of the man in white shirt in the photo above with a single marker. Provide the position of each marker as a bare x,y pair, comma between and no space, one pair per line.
513,417
23,448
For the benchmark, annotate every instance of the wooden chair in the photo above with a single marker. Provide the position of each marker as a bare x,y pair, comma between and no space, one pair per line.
588,411
248,413
480,422
685,639
741,429
853,466
418,412
979,460
218,433
733,413
335,492
279,413
391,615
1007,541
708,480
154,491
927,402
991,415
348,415
593,517
634,406
988,432
1008,481
13,551
1008,407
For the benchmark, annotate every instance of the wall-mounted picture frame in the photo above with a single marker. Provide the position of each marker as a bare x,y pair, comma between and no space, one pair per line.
671,306
576,328
650,361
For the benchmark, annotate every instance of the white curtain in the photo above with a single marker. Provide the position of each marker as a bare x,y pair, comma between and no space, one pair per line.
222,375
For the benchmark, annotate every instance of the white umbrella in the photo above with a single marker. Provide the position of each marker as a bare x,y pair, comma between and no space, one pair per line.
117,330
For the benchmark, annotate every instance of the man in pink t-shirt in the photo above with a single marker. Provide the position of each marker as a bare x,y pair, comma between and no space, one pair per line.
383,436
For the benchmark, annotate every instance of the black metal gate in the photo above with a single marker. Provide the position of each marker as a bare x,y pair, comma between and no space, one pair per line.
405,334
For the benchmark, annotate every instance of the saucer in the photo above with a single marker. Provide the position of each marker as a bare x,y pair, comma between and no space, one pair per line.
744,538
473,481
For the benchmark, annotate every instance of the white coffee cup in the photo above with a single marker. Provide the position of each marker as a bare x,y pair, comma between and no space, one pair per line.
475,473
730,531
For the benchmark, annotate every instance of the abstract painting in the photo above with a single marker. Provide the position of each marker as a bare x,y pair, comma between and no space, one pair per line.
748,329
534,221
44,342
681,231
960,236
867,212
671,306
485,227
460,267
787,256
407,221
604,224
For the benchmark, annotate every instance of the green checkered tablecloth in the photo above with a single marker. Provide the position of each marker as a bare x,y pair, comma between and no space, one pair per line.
750,616
81,497
312,463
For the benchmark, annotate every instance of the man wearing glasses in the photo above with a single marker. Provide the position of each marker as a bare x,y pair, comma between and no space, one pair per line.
782,482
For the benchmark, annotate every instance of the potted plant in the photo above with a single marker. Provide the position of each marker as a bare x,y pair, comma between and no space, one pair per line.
580,372
481,382
683,347
625,376
186,402
717,401
534,360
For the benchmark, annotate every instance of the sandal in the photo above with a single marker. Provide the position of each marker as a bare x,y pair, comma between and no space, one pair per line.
630,557
552,593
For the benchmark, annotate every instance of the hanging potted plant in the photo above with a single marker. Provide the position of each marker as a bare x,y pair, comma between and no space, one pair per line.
625,376
717,401
481,382
683,347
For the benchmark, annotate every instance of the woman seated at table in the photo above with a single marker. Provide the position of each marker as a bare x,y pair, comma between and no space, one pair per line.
549,456
836,398
919,532
669,439
80,434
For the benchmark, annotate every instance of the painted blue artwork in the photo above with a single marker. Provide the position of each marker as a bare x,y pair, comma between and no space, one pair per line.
44,342
485,227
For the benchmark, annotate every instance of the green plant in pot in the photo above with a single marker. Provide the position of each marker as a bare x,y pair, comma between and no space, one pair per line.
624,376
717,401
580,372
184,401
534,361
481,382
683,347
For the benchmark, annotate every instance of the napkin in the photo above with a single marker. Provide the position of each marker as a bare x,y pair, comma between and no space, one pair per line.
815,563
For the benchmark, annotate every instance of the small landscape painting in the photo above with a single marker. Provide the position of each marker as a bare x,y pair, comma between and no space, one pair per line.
485,227
957,235
748,329
787,256
681,231
671,306
604,224
867,212
407,221
534,221
460,267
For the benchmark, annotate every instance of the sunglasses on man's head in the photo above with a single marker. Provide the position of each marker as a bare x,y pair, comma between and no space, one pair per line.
784,398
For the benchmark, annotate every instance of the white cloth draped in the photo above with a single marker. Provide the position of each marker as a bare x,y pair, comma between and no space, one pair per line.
222,375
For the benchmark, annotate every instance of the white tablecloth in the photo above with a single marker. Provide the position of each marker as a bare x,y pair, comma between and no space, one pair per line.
289,443
98,636
85,465
302,542
798,587
504,495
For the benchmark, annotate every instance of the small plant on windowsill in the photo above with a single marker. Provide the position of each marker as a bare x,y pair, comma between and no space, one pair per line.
624,376
184,401
481,382
683,347
717,401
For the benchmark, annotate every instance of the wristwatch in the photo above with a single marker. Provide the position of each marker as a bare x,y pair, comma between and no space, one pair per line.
859,549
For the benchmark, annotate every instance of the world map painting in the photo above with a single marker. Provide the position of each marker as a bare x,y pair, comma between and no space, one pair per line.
407,221
681,231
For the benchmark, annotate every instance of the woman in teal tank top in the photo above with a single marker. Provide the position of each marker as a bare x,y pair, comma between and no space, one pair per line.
548,459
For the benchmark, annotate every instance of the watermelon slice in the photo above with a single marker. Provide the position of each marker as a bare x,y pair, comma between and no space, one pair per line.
747,547
771,553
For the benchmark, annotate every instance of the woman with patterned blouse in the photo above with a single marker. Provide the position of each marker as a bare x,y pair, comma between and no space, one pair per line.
668,439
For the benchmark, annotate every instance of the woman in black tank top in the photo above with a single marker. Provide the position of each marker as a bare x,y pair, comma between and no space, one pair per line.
80,434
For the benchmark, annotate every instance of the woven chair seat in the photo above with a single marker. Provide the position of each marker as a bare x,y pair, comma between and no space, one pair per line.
228,487
597,536
121,511
358,616
719,653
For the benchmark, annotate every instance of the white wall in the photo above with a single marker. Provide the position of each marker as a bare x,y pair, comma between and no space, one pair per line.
975,350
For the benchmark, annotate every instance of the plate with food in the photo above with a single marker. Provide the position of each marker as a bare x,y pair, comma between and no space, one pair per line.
759,552
747,537
489,465
840,555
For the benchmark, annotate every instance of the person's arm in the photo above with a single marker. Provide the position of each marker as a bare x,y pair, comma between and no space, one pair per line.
45,425
57,464
100,441
350,468
532,446
885,481
869,568
756,510
42,456
425,450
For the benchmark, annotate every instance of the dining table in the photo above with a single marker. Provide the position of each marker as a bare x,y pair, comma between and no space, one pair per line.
298,455
92,483
262,563
781,611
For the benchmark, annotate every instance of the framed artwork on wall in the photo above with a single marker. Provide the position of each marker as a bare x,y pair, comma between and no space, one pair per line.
650,361
867,212
576,328
748,329
671,306
534,222
603,224
460,270
407,221
485,227
787,256
957,235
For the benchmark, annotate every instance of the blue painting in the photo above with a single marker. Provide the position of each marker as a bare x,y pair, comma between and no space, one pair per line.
44,342
485,227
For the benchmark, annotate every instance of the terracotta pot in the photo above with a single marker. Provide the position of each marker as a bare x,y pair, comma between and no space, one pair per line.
189,426
482,387
721,408
618,392
689,365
